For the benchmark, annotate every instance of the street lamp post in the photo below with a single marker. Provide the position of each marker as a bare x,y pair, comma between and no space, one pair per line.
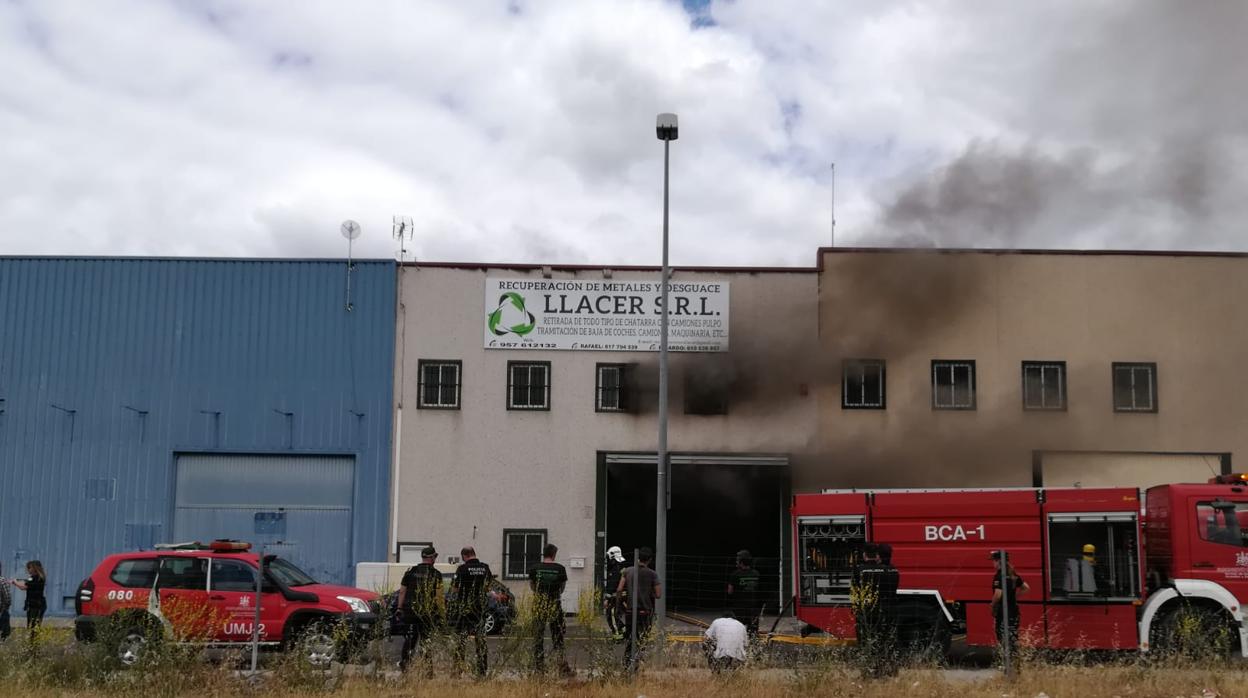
667,131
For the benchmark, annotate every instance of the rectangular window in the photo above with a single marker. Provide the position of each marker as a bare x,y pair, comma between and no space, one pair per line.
1220,521
135,574
706,393
1094,556
522,550
528,385
1135,387
611,388
862,384
439,387
232,575
183,573
1044,385
953,385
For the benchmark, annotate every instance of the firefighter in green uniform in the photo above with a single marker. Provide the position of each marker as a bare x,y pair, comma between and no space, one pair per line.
547,579
743,596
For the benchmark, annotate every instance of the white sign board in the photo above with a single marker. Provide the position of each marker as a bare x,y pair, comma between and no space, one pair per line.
604,315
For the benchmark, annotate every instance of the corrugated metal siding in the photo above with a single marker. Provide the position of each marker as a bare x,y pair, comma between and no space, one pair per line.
110,367
246,480
221,495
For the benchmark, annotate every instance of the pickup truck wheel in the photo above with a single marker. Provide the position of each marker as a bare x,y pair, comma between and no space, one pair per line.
316,646
135,641
131,646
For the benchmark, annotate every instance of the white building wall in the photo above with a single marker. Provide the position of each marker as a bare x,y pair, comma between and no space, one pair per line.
466,475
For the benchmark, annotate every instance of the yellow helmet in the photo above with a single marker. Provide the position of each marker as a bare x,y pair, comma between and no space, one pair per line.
1089,549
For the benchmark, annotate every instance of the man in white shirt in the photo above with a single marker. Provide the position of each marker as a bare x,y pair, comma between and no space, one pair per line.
725,644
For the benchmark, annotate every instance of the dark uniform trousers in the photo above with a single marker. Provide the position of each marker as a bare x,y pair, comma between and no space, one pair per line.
471,620
877,623
632,655
419,630
550,616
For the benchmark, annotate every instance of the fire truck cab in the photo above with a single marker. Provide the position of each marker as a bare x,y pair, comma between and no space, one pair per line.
1106,568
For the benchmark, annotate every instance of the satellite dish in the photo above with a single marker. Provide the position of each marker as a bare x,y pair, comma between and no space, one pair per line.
350,229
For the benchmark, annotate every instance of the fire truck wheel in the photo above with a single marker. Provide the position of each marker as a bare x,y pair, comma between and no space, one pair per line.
1194,631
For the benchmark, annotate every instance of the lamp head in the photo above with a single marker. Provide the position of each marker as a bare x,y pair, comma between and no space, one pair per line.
666,128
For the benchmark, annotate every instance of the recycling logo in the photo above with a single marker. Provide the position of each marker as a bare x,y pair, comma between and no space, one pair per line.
510,316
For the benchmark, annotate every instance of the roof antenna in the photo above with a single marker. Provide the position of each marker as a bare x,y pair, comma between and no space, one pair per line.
833,239
403,232
350,231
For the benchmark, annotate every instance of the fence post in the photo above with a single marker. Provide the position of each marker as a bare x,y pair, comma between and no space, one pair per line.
1004,630
632,609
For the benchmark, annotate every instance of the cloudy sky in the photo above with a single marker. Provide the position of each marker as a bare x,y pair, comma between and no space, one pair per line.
524,130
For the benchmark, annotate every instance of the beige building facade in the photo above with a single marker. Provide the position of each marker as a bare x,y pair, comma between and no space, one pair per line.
1085,368
481,472
875,368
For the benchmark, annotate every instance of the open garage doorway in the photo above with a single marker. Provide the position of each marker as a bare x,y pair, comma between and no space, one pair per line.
720,503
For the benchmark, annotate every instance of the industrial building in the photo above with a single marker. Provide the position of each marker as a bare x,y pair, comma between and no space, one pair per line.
526,415
521,424
155,400
506,406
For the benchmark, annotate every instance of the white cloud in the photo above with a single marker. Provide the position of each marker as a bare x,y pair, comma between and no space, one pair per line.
231,128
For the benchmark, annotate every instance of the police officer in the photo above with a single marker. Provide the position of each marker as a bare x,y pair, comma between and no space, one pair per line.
547,580
874,596
419,607
1006,597
743,592
469,588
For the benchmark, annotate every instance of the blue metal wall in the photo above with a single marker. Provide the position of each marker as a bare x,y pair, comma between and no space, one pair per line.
111,367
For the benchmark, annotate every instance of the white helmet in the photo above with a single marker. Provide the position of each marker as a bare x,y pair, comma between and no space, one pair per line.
614,553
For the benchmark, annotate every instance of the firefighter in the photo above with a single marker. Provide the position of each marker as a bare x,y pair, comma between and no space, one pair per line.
612,606
419,607
873,595
743,593
1006,597
547,581
470,588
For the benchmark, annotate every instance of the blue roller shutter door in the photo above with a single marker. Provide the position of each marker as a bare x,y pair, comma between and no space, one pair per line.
301,502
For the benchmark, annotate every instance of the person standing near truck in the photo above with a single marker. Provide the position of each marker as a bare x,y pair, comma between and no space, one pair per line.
469,588
743,592
547,579
418,604
873,594
1006,597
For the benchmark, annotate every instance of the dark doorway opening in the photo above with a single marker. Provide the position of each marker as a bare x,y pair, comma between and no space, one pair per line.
717,509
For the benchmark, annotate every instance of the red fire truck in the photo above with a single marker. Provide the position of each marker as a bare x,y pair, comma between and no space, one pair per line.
1181,546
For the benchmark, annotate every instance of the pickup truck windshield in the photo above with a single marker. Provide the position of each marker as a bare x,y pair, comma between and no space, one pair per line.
287,574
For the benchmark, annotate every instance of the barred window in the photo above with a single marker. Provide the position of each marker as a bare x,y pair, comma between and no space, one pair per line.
1135,387
1044,385
611,388
522,550
862,384
439,384
953,385
528,385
